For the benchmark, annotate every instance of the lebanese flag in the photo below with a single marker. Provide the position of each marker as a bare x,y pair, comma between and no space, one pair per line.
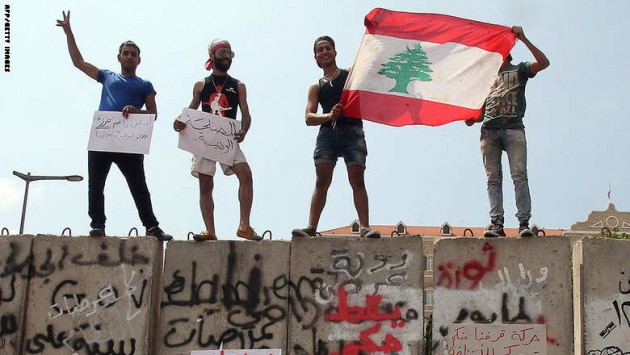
427,69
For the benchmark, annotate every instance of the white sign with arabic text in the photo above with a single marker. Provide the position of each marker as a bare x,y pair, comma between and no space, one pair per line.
112,132
499,339
209,136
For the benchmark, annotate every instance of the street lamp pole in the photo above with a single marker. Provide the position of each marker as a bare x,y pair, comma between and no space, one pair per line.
28,178
28,183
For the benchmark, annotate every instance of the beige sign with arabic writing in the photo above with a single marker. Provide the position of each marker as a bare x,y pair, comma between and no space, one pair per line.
209,136
498,339
112,132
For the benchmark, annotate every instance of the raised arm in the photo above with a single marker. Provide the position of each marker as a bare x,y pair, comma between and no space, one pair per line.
312,117
246,118
540,61
73,49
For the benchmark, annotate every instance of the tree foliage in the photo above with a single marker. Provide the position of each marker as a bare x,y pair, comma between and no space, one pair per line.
612,233
406,66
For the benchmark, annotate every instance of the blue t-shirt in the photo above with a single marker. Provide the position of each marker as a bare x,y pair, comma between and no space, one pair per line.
120,91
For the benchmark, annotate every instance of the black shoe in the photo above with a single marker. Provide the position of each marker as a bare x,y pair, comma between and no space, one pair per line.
367,232
494,231
304,232
97,232
524,231
159,234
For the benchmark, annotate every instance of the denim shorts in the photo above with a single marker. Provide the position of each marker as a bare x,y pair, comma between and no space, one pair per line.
342,141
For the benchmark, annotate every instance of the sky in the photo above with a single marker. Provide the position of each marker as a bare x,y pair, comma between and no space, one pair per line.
576,123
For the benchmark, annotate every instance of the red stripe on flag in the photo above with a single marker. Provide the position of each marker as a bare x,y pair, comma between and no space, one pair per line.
436,28
399,111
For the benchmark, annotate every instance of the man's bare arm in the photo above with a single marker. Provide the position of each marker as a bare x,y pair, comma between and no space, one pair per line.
194,104
149,103
311,116
246,117
540,60
196,99
73,49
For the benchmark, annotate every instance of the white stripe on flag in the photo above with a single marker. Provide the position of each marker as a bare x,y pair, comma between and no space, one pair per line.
461,75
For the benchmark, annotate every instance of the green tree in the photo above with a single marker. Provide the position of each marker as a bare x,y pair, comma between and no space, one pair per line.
406,66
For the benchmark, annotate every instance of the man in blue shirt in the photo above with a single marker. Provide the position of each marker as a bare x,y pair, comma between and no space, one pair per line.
127,93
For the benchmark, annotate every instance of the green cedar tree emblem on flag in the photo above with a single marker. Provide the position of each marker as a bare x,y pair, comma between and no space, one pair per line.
406,66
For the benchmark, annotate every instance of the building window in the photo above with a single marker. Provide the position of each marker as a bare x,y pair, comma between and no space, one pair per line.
401,228
427,297
355,227
428,263
446,229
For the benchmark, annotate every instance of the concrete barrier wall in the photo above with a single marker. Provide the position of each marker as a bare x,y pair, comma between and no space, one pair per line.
356,296
492,296
224,292
15,258
605,284
92,295
319,296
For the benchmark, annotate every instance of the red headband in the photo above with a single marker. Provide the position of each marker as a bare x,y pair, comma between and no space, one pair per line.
213,47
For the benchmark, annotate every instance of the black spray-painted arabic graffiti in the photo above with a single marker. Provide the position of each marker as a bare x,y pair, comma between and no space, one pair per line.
251,309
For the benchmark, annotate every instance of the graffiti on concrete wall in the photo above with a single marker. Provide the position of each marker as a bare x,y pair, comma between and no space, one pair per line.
202,310
524,280
245,309
480,292
375,316
14,266
609,350
608,328
77,309
358,303
497,339
469,274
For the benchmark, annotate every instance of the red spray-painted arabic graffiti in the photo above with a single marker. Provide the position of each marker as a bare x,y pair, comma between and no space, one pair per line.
371,312
472,270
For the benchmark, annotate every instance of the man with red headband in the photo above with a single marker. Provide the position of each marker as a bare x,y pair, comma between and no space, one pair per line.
220,94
